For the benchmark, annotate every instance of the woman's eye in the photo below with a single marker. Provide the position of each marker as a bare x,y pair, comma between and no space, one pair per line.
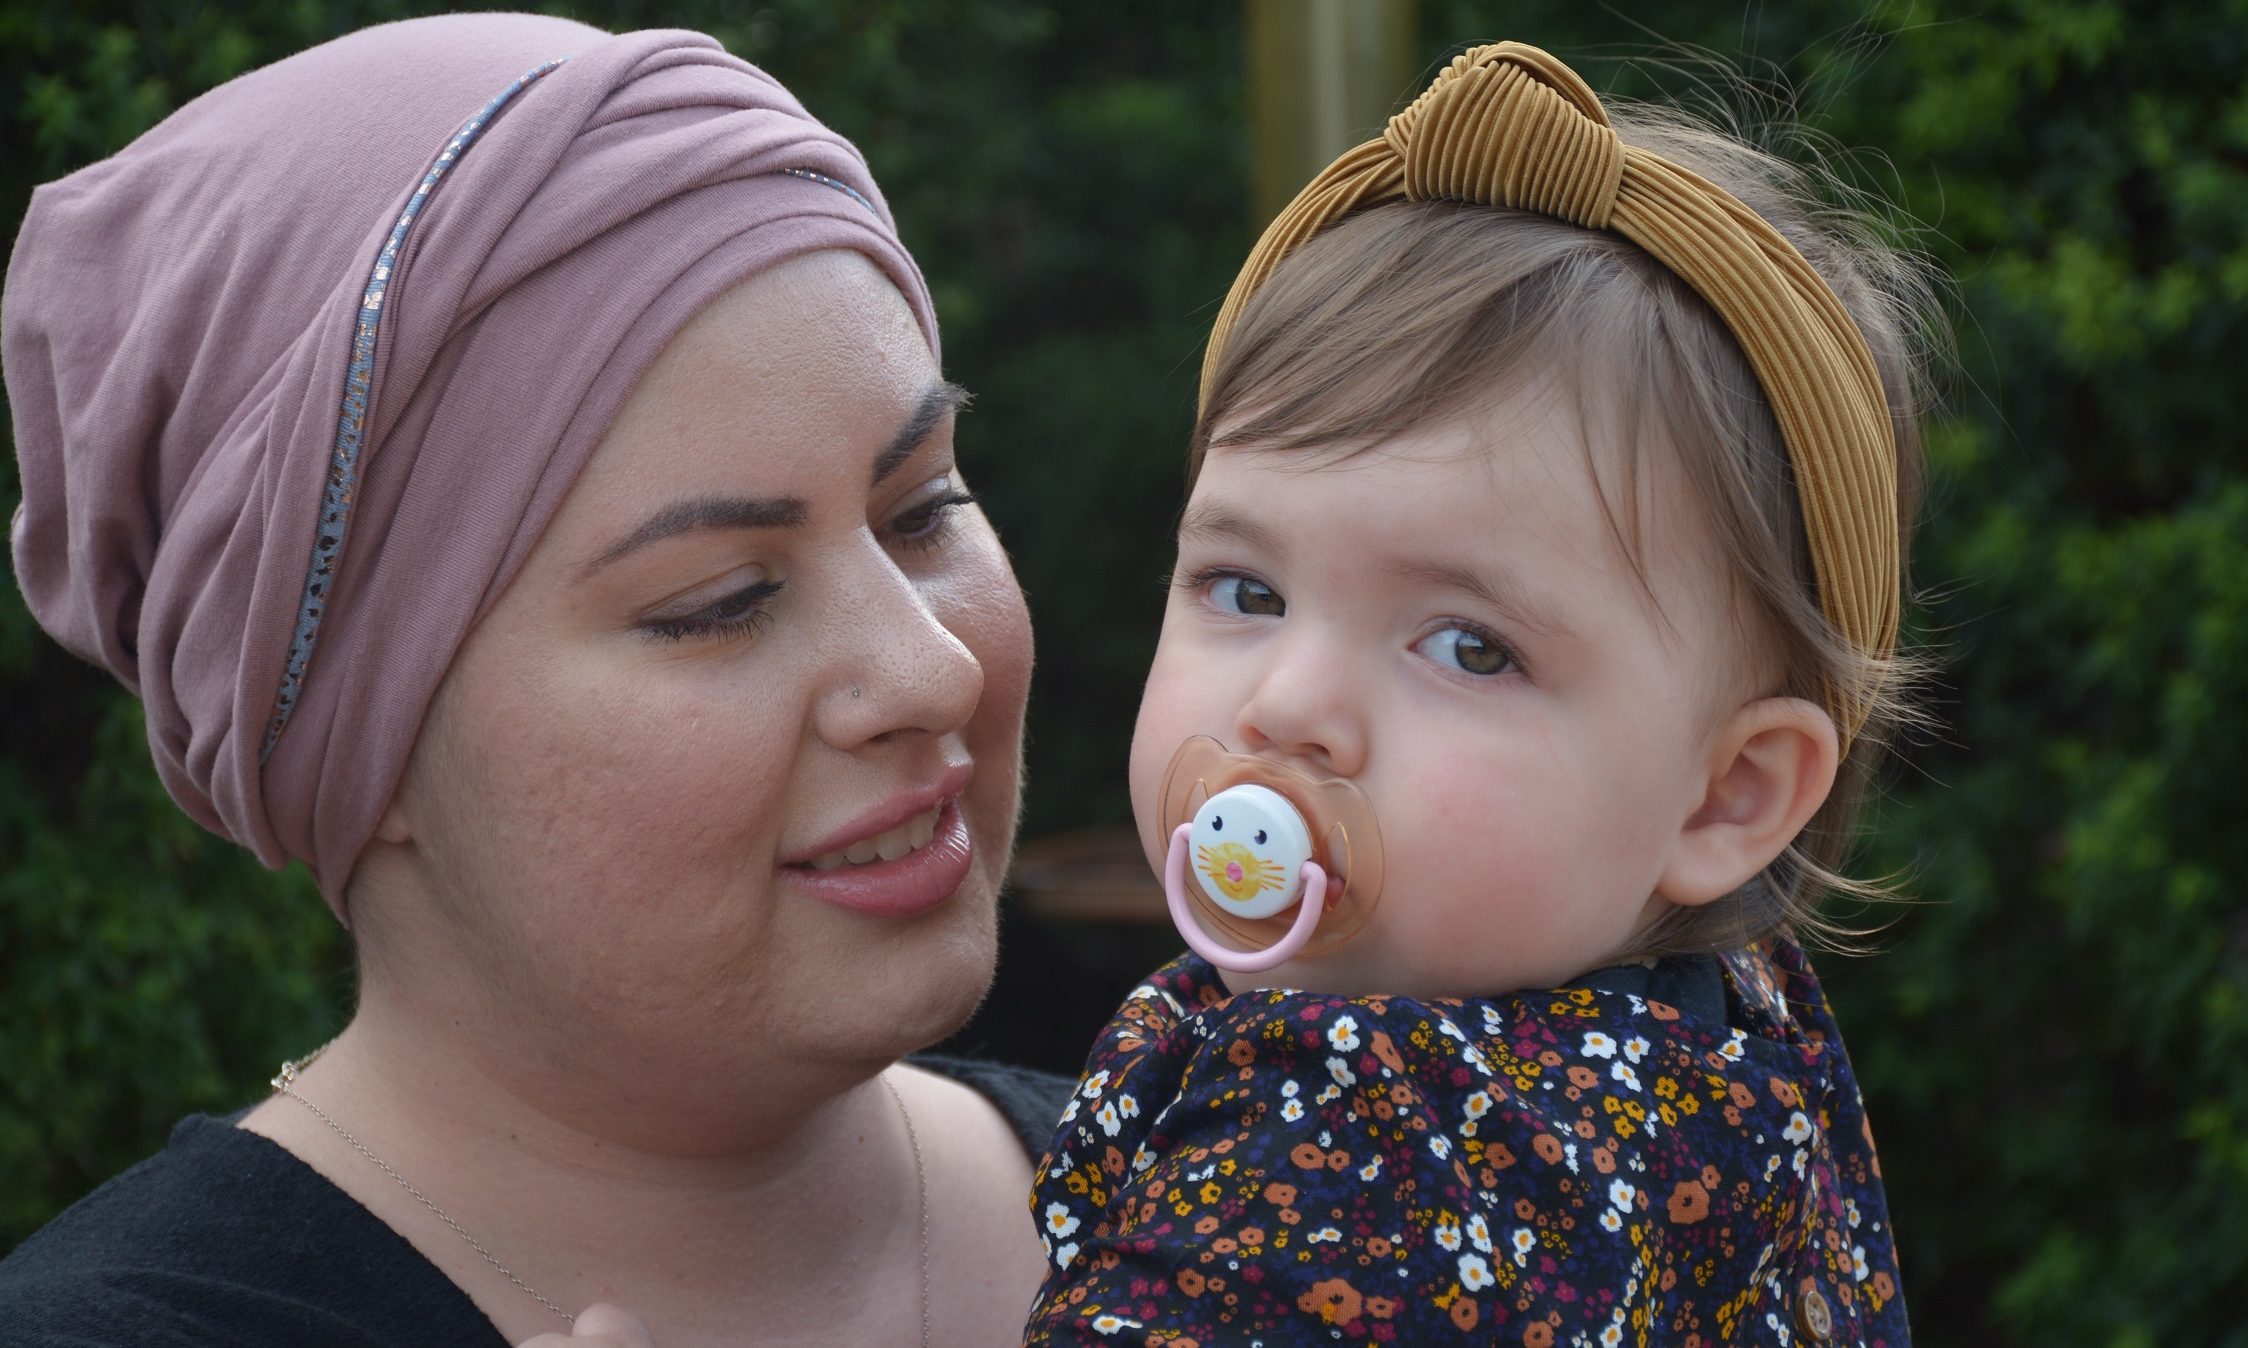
1244,594
737,614
1467,650
926,523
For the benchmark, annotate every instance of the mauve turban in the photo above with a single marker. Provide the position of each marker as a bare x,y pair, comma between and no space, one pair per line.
300,376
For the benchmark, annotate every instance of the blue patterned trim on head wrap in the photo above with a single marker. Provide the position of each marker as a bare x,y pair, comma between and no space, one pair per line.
845,188
343,464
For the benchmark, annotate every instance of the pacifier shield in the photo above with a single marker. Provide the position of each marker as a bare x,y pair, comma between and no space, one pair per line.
1323,819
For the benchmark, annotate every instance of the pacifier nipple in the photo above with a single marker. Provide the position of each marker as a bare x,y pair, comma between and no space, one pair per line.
1248,840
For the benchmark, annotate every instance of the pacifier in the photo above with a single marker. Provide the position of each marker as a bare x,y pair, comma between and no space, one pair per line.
1250,839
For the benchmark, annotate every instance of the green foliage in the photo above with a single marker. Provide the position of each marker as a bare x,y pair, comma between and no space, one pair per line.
2050,1044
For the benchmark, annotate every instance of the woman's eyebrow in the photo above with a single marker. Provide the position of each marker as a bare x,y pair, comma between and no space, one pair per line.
710,512
943,399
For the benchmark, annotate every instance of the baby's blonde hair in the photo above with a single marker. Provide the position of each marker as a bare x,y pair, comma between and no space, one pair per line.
1412,313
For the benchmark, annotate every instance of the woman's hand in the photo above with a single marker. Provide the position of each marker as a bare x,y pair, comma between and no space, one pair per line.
599,1325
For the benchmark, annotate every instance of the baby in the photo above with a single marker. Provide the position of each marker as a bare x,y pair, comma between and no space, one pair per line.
1533,630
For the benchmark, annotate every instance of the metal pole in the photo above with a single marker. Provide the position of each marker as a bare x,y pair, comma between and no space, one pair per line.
1324,75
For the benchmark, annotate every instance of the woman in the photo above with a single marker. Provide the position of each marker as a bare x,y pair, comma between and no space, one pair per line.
511,464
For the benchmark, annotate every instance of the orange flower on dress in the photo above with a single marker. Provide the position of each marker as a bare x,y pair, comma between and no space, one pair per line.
1333,1300
1689,1203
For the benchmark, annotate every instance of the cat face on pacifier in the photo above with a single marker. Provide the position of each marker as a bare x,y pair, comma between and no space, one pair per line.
1264,861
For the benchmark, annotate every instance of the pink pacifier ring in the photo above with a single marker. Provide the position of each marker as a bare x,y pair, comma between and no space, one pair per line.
1309,910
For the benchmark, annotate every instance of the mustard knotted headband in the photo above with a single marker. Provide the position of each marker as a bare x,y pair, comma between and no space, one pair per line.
1508,125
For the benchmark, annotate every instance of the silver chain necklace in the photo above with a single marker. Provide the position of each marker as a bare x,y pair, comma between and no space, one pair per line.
285,1083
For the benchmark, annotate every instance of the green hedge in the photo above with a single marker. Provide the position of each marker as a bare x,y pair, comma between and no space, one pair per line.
2051,1043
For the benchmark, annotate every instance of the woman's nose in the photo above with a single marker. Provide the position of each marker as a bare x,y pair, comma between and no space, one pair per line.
1306,706
897,668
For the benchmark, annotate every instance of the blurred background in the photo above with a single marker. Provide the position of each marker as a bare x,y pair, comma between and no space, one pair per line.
2052,1042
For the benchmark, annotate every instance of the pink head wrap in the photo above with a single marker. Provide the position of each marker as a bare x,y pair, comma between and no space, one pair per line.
300,376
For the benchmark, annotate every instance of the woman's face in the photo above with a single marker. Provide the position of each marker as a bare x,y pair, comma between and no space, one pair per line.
728,777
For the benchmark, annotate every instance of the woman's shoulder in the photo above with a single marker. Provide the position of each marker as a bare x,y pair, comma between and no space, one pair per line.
1030,1100
223,1237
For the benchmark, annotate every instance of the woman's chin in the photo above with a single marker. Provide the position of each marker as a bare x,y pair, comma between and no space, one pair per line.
912,992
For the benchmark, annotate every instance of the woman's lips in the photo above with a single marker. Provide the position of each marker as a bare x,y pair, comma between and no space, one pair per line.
899,886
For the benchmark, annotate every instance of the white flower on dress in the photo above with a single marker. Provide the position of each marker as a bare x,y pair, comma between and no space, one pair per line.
1635,1048
1371,1170
1058,1219
1475,1275
1524,1241
1065,1255
1332,1092
1340,1071
1622,1072
1292,1110
1094,1084
1569,1156
1609,1221
1798,1127
1733,1048
1598,1045
1107,1119
1448,1235
1621,1194
1289,1088
1323,1235
1479,1233
1442,1146
1113,1324
1343,1034
1858,1270
1479,1104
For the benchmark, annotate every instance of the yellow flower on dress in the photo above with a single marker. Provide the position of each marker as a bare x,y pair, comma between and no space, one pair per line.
1239,873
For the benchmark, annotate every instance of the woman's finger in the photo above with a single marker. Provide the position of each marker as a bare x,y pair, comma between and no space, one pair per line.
599,1325
611,1327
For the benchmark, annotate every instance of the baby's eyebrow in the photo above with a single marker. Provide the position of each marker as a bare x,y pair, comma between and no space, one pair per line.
1511,600
1207,521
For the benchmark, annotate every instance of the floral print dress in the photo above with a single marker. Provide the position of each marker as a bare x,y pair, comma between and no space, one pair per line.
1674,1154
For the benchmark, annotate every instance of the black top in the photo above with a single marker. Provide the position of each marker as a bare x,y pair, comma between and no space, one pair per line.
225,1238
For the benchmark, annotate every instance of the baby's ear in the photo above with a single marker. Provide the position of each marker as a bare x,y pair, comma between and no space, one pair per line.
1770,768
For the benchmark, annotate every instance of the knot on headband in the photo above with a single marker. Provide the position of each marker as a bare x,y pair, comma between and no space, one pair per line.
1509,126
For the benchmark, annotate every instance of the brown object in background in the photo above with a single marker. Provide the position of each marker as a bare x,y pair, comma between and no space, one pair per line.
1088,875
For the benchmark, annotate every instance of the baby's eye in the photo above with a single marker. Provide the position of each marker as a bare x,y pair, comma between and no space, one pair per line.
1245,594
1467,649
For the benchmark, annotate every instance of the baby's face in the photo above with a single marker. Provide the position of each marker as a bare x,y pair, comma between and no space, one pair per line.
1448,620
